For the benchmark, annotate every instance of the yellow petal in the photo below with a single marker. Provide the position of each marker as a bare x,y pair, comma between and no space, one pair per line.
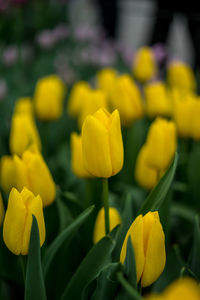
7,173
21,174
2,211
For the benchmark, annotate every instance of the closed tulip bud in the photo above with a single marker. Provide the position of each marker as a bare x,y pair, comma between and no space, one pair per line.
33,173
23,133
180,75
182,288
145,175
2,211
49,98
24,106
18,220
99,227
195,124
77,156
158,102
148,242
102,144
126,98
144,64
161,143
106,80
77,98
7,173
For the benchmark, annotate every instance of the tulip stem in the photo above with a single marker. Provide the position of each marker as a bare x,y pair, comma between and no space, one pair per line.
128,288
23,266
106,204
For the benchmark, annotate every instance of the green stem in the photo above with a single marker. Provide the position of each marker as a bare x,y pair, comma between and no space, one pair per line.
106,204
128,288
23,266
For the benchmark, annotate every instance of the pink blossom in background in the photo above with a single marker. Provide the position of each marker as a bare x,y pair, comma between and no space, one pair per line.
10,55
60,32
3,89
126,53
46,39
160,52
85,32
4,5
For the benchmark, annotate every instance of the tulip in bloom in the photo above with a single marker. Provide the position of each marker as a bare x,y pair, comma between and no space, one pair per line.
144,64
7,173
148,242
49,98
102,144
32,172
99,227
2,211
126,98
77,156
18,220
24,105
158,102
106,80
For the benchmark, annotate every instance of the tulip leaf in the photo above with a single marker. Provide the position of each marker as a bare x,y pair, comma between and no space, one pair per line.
158,194
194,261
66,234
34,283
89,269
129,264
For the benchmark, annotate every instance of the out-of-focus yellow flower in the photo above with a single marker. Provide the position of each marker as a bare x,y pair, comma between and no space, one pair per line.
99,227
23,133
180,75
2,211
18,220
77,98
32,172
161,143
96,99
7,173
103,153
144,64
24,106
183,288
106,80
148,242
158,102
77,156
145,175
49,98
125,97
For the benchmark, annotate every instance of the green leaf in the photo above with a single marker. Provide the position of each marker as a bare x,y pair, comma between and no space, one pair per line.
194,256
66,234
129,264
158,194
34,284
89,269
65,216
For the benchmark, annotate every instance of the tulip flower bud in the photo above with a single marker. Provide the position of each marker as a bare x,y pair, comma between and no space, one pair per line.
77,98
158,102
23,133
148,242
106,80
161,143
144,64
125,97
145,175
180,75
2,211
99,227
7,173
18,220
182,288
24,105
77,156
102,144
33,173
49,98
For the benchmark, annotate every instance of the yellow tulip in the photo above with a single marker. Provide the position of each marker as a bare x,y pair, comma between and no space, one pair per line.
23,133
99,227
77,156
148,242
145,175
183,288
180,75
2,211
158,102
32,172
144,64
106,80
24,105
49,98
102,144
7,173
18,220
125,97
77,98
161,143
